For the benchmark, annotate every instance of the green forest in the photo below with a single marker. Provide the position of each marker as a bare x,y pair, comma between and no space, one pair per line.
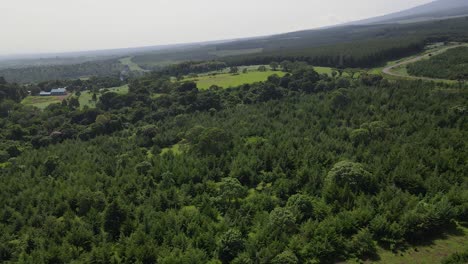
452,65
34,74
305,168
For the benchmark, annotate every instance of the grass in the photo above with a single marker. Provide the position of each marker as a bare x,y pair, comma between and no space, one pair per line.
324,70
42,101
433,251
226,80
86,96
132,65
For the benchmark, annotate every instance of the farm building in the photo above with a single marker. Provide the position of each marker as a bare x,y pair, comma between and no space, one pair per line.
54,92
58,91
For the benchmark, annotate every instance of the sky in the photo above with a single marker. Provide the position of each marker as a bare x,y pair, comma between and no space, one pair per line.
42,26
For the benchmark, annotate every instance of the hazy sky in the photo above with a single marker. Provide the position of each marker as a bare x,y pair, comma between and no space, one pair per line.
36,26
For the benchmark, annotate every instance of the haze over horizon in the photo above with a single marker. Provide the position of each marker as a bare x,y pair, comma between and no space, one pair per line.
52,26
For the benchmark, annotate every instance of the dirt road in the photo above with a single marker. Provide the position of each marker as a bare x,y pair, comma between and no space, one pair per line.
389,69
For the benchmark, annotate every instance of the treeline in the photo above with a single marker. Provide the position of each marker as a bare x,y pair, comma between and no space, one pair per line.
449,65
59,72
13,92
304,168
193,67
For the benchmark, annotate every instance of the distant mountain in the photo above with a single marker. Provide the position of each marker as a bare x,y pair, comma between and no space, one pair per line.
435,10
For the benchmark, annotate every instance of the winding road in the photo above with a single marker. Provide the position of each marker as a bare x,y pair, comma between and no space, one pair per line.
389,69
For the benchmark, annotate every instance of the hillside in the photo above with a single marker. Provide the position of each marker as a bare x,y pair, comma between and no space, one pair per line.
435,10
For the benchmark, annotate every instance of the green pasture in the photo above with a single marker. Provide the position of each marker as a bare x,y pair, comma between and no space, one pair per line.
226,80
86,97
42,101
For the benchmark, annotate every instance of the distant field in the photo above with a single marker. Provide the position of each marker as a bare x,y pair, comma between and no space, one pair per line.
42,101
87,96
226,80
132,65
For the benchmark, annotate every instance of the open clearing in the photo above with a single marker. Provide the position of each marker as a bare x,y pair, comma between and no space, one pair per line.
227,80
42,101
432,252
87,96
132,65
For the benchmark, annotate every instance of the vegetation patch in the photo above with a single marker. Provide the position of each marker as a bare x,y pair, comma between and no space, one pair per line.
42,101
227,80
131,65
452,65
432,252
86,97
176,149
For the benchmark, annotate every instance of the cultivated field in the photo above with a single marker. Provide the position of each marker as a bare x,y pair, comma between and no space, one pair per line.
42,101
227,80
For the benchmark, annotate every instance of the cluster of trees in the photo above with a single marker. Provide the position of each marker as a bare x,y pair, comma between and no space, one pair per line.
300,169
13,92
449,65
35,74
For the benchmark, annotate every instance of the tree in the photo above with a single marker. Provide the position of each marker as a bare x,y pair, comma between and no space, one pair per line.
229,245
285,257
286,65
214,141
282,220
114,217
340,99
345,180
274,65
230,191
74,103
302,206
262,68
245,70
233,70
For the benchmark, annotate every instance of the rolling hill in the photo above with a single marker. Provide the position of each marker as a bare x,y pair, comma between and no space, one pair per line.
435,10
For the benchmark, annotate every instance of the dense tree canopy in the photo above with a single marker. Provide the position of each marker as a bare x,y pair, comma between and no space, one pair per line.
291,170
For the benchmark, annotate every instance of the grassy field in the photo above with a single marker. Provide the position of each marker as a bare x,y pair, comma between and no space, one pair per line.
324,70
226,80
87,96
432,252
42,101
133,66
